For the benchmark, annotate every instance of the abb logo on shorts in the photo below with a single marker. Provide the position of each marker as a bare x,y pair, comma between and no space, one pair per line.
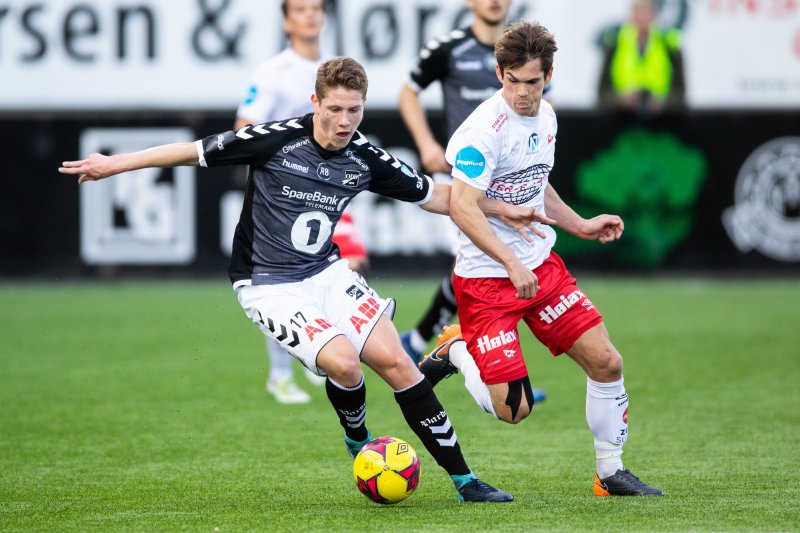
321,325
551,313
368,311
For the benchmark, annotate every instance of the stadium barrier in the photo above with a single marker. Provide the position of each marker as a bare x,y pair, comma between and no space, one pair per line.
711,191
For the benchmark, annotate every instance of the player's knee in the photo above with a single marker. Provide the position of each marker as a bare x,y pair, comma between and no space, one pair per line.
606,364
505,414
518,403
345,370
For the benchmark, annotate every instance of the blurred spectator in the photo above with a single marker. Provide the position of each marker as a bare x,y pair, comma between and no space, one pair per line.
642,66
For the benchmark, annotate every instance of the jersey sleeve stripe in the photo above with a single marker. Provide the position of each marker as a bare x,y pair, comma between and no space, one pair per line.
201,158
430,191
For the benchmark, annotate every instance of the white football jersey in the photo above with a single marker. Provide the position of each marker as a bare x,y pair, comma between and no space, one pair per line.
510,157
281,88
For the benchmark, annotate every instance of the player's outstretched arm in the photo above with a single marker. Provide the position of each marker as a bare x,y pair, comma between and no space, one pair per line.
99,166
520,218
604,228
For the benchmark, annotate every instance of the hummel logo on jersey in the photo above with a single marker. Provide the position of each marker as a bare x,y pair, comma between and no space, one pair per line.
351,178
550,138
510,353
552,313
355,292
487,343
295,166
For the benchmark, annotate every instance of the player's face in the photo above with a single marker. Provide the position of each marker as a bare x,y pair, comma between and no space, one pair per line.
492,12
523,87
337,116
304,19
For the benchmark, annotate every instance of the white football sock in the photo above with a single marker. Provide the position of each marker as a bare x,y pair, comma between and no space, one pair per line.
280,362
607,416
462,360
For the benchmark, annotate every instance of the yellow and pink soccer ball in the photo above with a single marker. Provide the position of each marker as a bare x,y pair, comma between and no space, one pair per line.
387,470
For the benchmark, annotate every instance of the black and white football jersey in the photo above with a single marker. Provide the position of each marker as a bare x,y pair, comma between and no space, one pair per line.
466,69
296,193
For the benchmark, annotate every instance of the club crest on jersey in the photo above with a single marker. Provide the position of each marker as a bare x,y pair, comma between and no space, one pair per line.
324,171
470,161
351,178
533,142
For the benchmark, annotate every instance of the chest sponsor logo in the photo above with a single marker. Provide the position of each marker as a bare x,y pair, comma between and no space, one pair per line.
498,123
476,94
503,338
291,147
352,157
351,178
469,65
470,161
295,166
316,198
552,313
533,142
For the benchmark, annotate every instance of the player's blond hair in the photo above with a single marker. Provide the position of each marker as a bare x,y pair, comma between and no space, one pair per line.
343,72
523,42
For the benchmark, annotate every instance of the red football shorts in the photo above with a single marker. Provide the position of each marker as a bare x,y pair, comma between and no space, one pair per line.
489,312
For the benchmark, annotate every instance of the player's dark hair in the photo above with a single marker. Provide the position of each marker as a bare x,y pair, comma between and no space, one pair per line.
285,7
343,72
525,41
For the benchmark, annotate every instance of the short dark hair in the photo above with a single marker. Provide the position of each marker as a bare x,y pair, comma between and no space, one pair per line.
343,72
285,7
525,41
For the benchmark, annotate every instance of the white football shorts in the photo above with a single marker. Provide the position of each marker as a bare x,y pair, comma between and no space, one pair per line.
304,316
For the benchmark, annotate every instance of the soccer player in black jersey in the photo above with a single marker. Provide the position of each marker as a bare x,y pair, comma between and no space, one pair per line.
286,271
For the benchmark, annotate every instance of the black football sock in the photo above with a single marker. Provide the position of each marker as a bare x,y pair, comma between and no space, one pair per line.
351,406
440,312
428,419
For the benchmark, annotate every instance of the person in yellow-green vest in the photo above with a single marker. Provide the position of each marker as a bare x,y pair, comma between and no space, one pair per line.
642,66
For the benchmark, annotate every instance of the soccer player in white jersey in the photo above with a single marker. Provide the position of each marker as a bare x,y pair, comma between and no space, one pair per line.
289,275
505,151
464,64
281,87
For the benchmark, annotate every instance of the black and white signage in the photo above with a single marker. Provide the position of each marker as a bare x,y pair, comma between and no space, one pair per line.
199,54
142,217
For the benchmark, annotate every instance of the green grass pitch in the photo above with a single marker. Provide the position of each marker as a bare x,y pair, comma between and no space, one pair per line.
141,407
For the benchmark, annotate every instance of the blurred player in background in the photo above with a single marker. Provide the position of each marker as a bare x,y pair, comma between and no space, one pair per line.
281,87
505,150
463,62
642,71
288,274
